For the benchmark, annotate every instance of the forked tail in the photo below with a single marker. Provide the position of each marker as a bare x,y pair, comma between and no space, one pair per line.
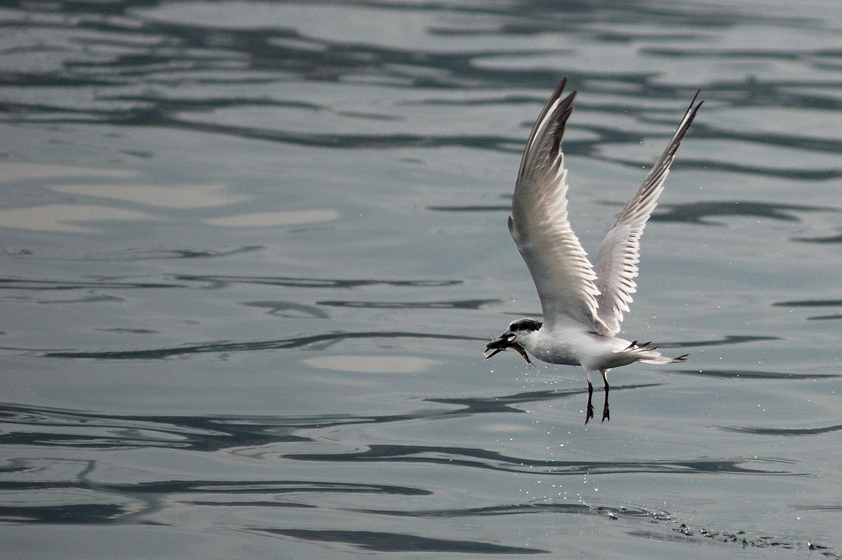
650,355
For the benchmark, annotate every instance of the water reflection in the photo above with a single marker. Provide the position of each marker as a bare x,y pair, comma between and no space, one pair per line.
267,436
66,218
113,48
320,341
698,212
484,459
184,196
814,303
766,431
372,364
724,341
830,239
471,304
207,281
375,541
289,309
748,374
221,281
90,493
810,303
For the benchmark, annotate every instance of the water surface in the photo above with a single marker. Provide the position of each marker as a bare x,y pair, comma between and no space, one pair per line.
253,251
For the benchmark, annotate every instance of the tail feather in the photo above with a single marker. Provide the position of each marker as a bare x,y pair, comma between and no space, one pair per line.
658,359
650,355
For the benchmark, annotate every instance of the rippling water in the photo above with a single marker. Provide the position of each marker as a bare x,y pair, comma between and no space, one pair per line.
252,252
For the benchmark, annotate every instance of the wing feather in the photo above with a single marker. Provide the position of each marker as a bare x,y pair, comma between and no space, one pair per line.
616,265
563,275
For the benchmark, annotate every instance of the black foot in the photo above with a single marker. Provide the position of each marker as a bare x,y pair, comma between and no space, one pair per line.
606,414
588,413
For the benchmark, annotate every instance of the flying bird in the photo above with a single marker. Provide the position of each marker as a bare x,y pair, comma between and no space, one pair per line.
582,303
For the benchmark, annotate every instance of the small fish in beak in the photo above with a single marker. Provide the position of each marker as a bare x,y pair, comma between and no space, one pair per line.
503,343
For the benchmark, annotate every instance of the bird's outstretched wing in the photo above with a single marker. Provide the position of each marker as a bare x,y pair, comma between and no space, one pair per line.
563,275
616,265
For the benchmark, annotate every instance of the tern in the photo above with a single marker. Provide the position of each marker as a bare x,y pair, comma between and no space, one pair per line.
582,303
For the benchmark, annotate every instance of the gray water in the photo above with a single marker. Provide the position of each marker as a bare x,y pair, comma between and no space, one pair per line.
252,253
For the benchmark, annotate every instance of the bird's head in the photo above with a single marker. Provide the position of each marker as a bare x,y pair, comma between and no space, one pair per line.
509,339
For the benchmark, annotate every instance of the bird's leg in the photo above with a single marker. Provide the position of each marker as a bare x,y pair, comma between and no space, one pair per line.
606,415
589,411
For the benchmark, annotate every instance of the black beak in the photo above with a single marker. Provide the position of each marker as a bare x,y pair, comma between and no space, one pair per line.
504,342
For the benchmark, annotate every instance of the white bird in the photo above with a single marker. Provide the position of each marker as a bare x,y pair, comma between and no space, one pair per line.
582,303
